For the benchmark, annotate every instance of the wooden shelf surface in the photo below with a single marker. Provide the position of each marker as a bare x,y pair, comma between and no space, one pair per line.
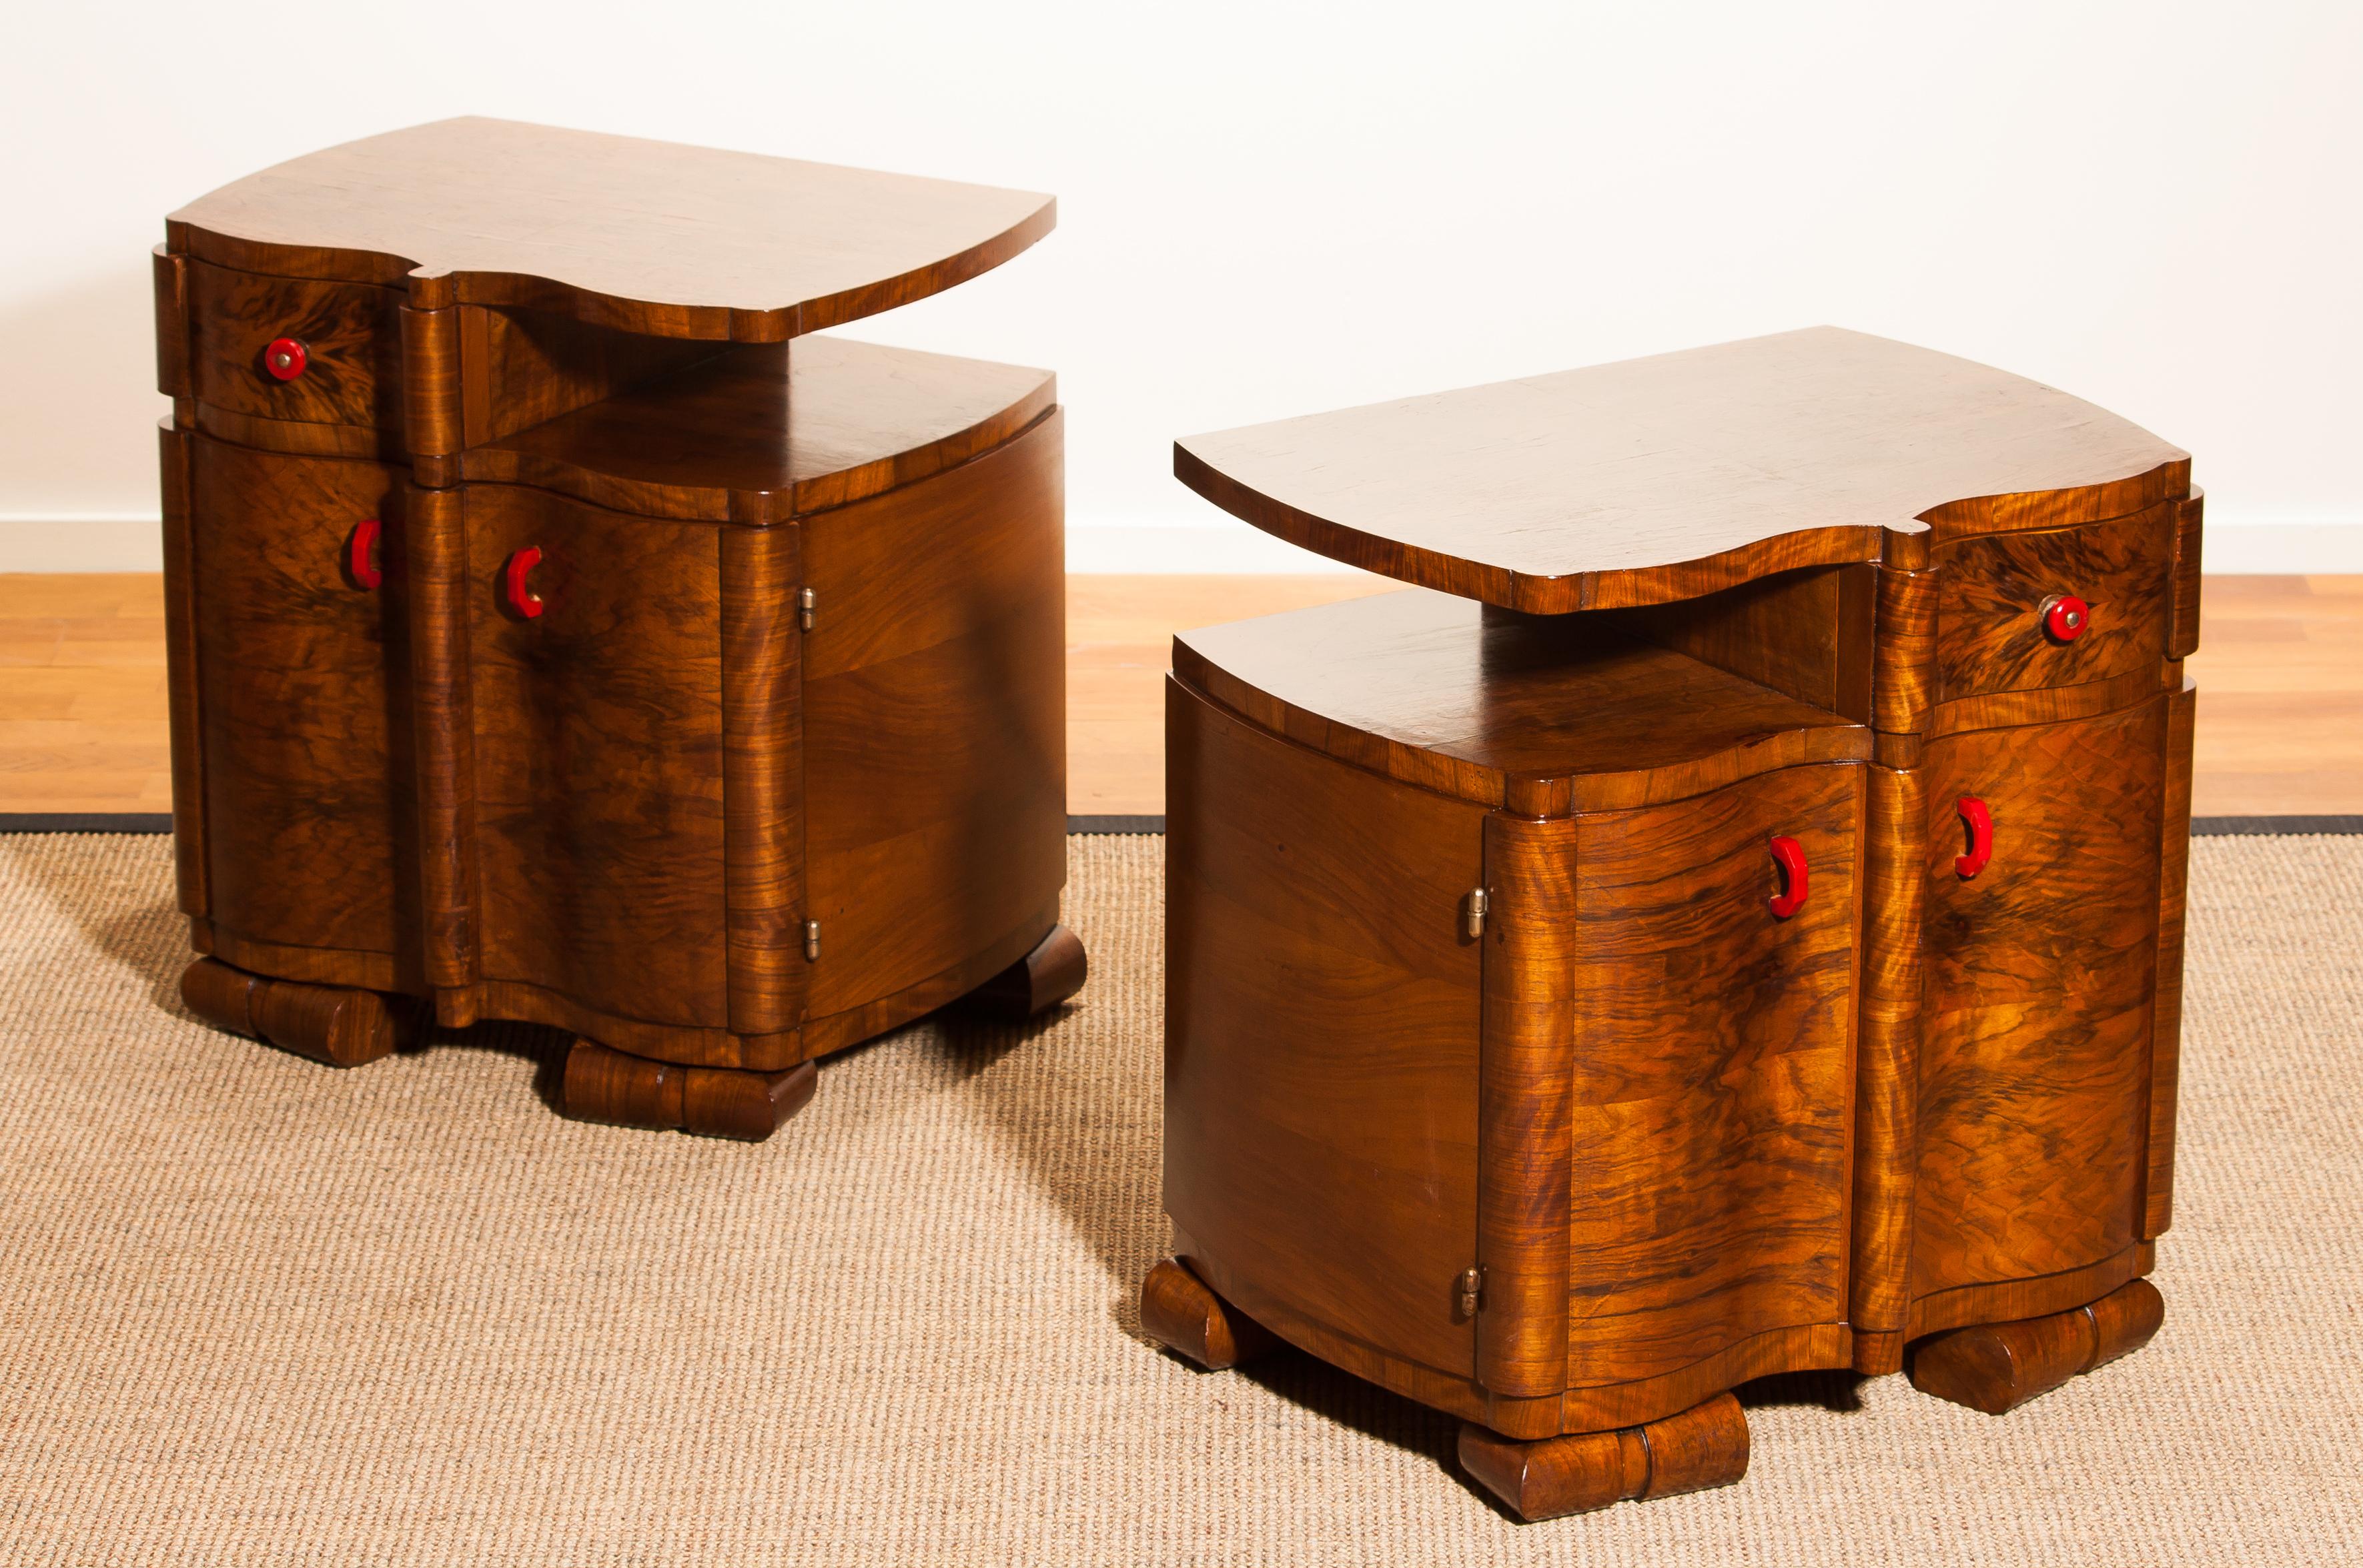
1537,715
646,236
813,425
1664,477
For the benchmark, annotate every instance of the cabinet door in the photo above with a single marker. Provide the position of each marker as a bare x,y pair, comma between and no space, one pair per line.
598,756
1322,1014
2036,1040
1713,1086
935,724
303,807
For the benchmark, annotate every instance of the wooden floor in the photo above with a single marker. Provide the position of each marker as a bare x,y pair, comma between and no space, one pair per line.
81,687
2279,668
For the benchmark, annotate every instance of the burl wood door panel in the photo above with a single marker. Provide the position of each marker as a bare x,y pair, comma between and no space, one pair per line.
1713,1072
351,334
2034,1054
1322,1018
935,719
598,756
306,825
1992,589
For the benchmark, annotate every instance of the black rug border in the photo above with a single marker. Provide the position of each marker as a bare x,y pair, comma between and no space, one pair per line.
162,822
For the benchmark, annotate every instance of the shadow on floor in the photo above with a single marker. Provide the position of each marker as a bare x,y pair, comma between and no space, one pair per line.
1334,1394
1837,1391
1084,1117
81,875
1085,1121
540,1044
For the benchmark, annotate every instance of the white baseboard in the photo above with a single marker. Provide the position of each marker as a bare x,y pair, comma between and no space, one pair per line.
1171,548
102,541
128,542
2325,545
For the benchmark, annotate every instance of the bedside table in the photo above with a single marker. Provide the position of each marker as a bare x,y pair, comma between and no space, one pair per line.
1725,920
557,633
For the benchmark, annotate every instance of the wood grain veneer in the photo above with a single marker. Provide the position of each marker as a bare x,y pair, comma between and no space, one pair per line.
763,789
352,331
2165,1032
597,737
539,653
1828,931
1714,1066
1665,478
2040,976
760,435
1527,1105
644,236
1541,716
935,719
1997,1367
1991,591
341,1027
179,629
1322,1073
305,801
1705,1446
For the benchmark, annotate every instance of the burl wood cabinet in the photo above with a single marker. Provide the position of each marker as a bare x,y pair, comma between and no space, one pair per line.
559,634
1725,920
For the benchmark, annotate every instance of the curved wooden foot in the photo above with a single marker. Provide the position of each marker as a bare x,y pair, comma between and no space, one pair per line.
1704,1446
1177,1307
720,1102
1996,1368
1054,971
337,1024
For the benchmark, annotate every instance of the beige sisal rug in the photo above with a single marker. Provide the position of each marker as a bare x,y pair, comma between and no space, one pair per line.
257,1310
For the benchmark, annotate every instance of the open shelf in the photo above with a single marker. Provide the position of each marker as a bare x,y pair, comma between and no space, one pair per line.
1538,714
766,432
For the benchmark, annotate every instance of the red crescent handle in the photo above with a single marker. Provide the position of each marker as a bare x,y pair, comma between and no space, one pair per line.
357,553
2065,617
523,599
1790,856
285,358
1979,823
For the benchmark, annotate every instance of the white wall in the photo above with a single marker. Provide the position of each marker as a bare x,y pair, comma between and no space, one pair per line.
1269,210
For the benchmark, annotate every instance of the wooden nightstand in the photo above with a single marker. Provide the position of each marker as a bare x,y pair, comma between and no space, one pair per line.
553,638
1733,927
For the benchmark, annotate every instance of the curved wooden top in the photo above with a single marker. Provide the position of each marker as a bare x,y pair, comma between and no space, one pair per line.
764,433
643,236
1664,477
1543,717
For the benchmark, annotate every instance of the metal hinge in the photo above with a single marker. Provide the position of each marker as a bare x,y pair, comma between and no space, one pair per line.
805,599
1474,921
812,940
1472,1284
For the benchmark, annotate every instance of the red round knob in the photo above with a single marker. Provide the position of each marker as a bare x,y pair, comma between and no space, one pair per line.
2065,616
285,358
